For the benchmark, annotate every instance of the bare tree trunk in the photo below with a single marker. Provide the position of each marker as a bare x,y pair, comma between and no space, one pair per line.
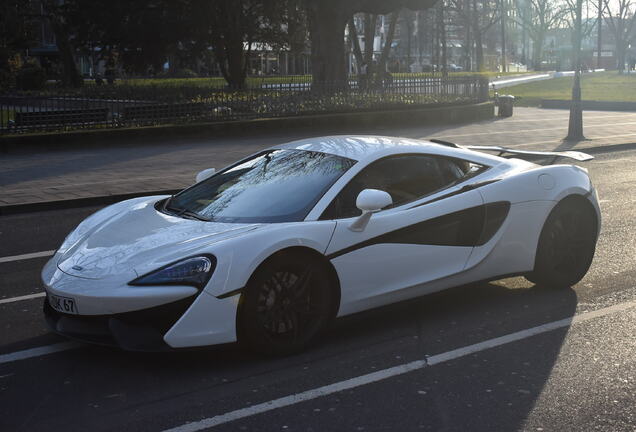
232,62
355,44
444,46
537,52
71,76
370,22
327,25
435,36
468,43
477,35
620,56
387,47
479,53
409,29
440,26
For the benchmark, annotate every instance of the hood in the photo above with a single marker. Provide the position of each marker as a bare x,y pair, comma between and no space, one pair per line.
139,237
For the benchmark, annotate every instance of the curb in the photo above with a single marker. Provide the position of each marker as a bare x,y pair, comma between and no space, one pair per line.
13,209
590,105
608,148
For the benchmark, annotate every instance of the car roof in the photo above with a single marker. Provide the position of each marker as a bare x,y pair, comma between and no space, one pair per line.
371,147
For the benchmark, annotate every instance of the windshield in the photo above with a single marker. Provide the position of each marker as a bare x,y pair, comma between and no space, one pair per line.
273,186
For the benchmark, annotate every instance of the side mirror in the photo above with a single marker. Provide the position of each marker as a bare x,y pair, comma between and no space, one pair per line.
206,173
369,201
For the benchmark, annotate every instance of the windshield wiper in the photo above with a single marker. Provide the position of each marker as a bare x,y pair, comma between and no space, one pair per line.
184,212
192,215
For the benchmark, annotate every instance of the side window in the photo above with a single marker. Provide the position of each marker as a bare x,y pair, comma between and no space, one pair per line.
406,178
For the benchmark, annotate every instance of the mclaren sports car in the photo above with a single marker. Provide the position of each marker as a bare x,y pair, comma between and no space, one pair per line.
270,250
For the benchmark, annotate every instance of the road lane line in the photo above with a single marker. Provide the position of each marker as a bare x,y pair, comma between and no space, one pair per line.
20,298
28,256
396,370
37,352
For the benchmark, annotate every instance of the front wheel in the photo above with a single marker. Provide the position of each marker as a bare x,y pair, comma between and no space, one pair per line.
566,245
286,304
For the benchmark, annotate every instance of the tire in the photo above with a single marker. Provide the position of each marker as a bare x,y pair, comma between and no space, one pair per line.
286,304
566,245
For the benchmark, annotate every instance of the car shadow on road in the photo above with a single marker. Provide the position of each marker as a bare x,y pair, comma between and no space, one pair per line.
224,378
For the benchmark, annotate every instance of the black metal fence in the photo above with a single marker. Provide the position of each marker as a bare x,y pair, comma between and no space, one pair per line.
125,105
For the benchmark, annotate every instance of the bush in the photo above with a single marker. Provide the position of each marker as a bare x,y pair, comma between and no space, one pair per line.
30,77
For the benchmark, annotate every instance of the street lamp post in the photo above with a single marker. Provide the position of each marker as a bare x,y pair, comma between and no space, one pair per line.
503,36
599,41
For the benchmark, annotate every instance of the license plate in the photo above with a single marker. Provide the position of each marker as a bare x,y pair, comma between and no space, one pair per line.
63,304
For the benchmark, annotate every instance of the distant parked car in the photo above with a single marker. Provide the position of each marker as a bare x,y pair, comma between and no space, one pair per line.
452,67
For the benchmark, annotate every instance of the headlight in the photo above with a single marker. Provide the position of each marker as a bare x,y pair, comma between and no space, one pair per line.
194,271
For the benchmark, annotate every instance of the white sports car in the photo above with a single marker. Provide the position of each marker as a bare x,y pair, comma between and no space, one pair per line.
270,250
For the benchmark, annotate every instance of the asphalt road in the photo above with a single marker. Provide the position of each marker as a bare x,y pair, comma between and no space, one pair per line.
402,367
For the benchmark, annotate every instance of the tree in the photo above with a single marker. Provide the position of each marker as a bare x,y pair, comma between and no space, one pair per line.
296,33
575,124
538,19
233,27
372,70
58,15
478,16
17,33
485,14
127,29
462,12
622,18
386,49
327,21
440,34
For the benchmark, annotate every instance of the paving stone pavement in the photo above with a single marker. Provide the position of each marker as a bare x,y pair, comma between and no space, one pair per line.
135,167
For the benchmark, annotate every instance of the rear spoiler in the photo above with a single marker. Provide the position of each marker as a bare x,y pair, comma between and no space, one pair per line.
527,154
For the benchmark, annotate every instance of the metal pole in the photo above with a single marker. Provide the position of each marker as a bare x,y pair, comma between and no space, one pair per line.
599,35
503,36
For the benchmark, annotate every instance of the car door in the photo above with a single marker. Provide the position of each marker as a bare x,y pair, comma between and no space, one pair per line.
427,234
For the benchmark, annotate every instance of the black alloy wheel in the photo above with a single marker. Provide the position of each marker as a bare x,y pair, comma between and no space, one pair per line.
566,245
286,304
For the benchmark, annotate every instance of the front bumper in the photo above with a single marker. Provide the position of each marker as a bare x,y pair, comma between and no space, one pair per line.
169,316
141,330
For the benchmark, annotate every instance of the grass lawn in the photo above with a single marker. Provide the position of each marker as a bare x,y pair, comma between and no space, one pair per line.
603,86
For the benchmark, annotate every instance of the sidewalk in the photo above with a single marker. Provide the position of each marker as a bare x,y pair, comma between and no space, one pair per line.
50,178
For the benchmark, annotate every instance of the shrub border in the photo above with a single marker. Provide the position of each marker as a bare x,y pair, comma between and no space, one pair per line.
324,122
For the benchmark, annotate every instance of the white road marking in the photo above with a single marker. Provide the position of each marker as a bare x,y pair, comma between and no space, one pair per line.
26,256
37,352
24,297
396,370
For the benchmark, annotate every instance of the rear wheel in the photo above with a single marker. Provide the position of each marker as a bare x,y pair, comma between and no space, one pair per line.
286,304
566,245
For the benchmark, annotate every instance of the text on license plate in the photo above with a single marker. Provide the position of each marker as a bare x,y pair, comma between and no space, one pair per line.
63,304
